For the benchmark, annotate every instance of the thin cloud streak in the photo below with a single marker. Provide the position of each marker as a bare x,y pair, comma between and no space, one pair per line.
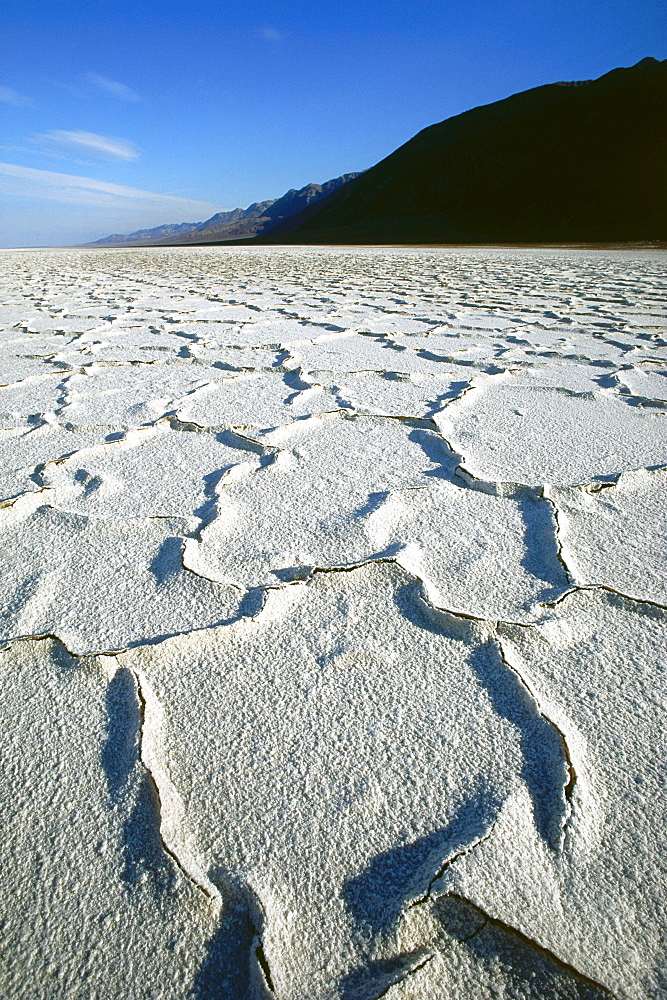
9,96
70,189
113,87
271,34
102,147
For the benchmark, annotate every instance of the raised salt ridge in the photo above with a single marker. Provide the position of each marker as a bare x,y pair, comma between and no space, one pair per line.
334,601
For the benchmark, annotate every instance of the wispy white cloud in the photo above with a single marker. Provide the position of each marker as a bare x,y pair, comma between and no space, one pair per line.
71,189
113,87
9,96
271,34
101,147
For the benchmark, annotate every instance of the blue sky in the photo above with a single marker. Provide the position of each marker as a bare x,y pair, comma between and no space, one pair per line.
116,115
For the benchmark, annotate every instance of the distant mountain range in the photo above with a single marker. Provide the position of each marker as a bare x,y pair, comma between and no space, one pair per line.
583,161
240,223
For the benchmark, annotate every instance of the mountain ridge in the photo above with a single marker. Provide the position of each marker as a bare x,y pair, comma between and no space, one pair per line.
237,223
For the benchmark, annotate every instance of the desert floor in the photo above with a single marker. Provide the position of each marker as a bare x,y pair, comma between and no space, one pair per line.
333,640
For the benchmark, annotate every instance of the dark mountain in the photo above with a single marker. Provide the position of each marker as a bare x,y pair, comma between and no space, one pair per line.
577,162
239,223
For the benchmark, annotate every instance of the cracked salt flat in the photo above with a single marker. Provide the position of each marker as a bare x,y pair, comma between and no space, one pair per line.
15,369
608,916
649,383
388,395
69,575
545,434
615,536
166,469
92,901
476,552
361,353
374,528
117,397
222,358
32,397
25,448
340,761
277,398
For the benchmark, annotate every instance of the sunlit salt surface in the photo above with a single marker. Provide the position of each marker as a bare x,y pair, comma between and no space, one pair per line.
334,600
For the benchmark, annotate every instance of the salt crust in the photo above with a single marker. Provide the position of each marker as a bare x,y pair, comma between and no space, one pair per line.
334,591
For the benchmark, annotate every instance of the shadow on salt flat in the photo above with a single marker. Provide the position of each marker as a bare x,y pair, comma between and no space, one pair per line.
544,769
207,510
167,560
489,958
143,851
132,790
225,972
437,451
120,752
455,389
373,503
371,981
378,895
502,955
540,558
234,966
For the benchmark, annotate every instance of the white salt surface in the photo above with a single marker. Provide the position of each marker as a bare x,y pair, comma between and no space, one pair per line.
334,599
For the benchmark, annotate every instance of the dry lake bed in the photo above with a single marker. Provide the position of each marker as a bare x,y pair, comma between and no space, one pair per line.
334,597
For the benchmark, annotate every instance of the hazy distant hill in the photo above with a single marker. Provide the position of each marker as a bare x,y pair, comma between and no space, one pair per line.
159,232
567,161
239,223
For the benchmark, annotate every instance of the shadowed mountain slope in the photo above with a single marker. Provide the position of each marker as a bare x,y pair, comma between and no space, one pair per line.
580,161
